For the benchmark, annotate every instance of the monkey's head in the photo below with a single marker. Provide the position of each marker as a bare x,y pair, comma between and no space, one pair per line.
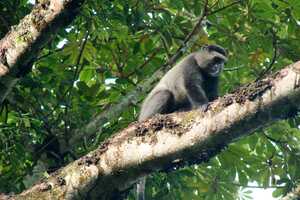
211,59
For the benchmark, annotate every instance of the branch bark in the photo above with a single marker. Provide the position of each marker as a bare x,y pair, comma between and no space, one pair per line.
166,142
22,43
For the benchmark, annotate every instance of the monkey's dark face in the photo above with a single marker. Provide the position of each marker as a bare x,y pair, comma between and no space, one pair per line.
210,62
215,67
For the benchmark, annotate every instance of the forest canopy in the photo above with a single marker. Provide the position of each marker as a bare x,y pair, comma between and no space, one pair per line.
89,80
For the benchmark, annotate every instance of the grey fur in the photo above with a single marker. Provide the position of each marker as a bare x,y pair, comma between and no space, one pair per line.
188,85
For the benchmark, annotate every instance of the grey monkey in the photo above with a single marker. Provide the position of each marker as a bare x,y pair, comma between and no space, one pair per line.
190,84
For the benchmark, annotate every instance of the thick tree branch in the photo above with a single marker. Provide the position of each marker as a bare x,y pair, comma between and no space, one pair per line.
22,43
166,142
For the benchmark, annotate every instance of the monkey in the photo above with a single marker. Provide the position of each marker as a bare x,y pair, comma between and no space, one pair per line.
190,84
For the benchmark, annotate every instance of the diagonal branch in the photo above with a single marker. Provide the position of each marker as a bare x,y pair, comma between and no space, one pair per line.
166,142
21,45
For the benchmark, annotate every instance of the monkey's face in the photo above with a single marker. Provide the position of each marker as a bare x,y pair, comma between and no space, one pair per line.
215,67
211,62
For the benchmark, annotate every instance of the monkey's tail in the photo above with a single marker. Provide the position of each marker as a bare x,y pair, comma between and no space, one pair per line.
140,189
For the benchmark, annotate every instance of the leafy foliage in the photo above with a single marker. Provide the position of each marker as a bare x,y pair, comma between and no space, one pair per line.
109,50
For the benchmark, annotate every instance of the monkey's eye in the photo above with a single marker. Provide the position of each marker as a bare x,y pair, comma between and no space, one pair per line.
217,60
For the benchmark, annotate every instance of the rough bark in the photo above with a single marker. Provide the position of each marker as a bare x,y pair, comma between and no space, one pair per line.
21,45
167,142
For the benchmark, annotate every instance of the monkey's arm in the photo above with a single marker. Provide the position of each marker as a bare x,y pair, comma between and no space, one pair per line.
197,97
212,88
195,91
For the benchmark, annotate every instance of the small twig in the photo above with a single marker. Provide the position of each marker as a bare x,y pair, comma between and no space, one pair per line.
274,58
286,2
120,63
49,53
274,140
152,55
6,113
214,4
253,186
164,42
233,68
44,146
115,60
225,7
198,24
69,92
70,153
78,69
182,47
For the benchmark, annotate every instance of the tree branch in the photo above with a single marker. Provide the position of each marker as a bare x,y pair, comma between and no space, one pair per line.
21,45
166,142
233,68
50,53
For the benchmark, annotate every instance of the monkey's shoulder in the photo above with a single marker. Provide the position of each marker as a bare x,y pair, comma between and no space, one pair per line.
185,66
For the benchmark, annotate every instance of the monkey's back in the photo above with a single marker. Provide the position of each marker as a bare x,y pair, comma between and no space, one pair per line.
174,78
173,82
